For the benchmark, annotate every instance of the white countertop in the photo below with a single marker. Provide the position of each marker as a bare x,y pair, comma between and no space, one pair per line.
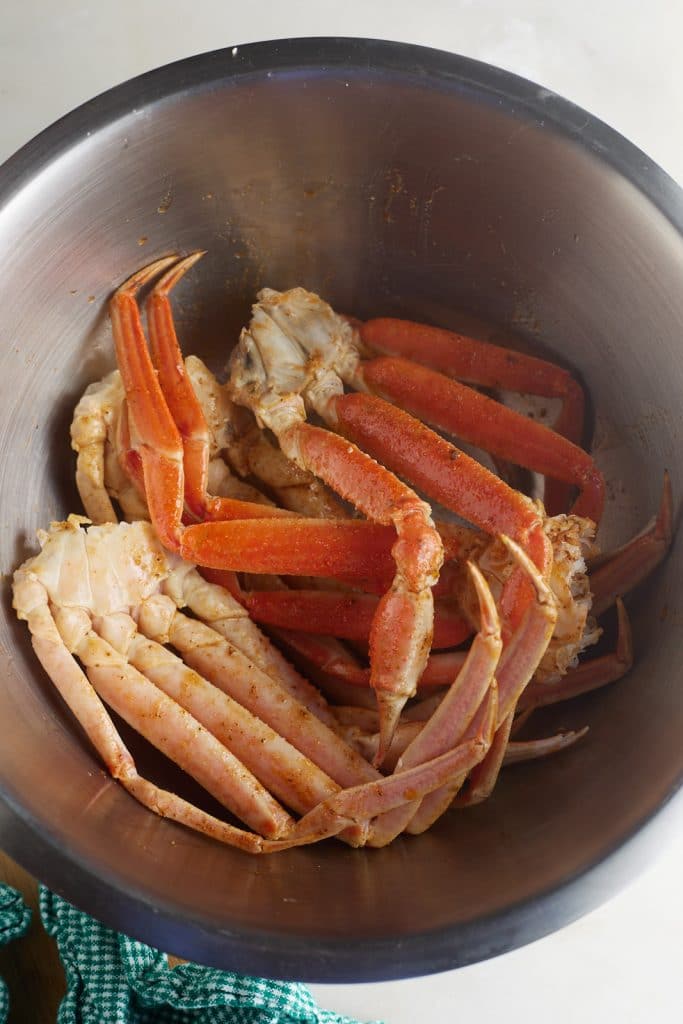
621,60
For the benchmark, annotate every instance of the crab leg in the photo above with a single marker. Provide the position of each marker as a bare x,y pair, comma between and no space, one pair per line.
589,675
482,780
522,654
149,711
529,750
347,616
448,726
487,365
631,564
77,690
442,471
502,432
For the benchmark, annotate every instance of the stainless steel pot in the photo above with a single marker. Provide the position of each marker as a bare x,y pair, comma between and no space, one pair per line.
394,180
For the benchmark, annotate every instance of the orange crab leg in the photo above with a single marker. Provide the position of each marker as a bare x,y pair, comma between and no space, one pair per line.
330,656
347,616
488,365
402,627
630,565
451,406
181,399
437,467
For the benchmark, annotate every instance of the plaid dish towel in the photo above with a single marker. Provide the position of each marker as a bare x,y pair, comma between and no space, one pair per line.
15,918
113,978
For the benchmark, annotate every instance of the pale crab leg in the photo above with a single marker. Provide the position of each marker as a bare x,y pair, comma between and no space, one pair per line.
286,773
481,781
587,676
78,692
224,666
99,429
487,365
448,725
140,703
436,803
88,438
630,565
218,609
502,432
522,654
518,751
517,665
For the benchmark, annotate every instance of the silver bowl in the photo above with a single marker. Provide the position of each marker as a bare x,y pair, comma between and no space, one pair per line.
394,180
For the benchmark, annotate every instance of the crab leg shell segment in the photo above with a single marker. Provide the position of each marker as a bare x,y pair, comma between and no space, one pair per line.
502,432
338,548
441,470
347,616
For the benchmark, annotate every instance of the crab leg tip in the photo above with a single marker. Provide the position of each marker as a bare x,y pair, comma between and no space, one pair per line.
543,592
175,272
490,623
132,284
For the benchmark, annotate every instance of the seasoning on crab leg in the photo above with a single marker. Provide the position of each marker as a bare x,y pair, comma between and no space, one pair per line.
487,365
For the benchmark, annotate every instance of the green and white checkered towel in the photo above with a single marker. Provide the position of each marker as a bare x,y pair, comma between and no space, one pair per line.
113,978
15,918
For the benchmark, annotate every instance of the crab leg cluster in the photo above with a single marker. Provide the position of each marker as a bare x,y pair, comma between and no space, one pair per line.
102,605
158,438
